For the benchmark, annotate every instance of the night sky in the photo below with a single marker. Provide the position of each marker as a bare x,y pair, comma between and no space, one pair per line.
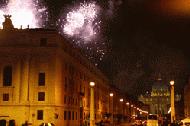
146,39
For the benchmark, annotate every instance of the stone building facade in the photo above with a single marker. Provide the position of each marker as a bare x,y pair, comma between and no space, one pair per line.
158,98
187,100
44,79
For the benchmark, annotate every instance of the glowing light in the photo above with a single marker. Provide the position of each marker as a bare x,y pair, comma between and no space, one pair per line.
172,82
81,22
169,111
92,84
121,100
25,13
176,7
111,94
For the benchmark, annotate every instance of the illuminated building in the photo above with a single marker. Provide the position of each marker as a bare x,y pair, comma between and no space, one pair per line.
46,80
158,99
186,100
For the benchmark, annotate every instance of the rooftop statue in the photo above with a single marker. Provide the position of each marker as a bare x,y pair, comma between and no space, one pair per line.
7,24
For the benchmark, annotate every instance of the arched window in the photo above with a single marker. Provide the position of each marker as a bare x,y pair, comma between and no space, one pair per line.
7,76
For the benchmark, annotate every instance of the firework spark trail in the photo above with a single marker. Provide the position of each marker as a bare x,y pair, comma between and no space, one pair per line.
24,13
83,26
81,22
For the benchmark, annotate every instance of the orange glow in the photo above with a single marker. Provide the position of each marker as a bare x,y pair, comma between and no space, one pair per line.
175,7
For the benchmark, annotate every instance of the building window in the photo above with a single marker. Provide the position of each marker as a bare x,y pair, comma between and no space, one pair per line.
76,101
12,122
7,76
81,114
41,96
3,122
73,115
6,97
80,88
65,115
66,66
84,91
76,115
65,99
68,100
72,101
56,116
41,79
66,83
43,42
40,114
69,115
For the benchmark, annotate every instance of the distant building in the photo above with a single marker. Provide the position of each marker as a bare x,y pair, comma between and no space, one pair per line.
187,100
158,98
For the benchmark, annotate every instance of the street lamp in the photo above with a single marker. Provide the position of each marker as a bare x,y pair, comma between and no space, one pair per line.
127,103
92,84
131,110
111,96
128,111
121,99
172,82
172,101
92,113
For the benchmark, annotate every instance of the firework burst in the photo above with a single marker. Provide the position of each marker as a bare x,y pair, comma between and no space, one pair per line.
81,22
82,25
25,13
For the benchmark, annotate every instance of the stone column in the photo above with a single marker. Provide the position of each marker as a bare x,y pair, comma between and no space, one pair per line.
92,113
172,104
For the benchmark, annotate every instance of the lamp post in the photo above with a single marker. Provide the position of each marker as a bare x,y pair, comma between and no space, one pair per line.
128,111
172,102
111,96
92,113
121,100
132,110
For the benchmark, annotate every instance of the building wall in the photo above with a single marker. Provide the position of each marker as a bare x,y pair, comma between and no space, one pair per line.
37,52
186,100
67,75
23,94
